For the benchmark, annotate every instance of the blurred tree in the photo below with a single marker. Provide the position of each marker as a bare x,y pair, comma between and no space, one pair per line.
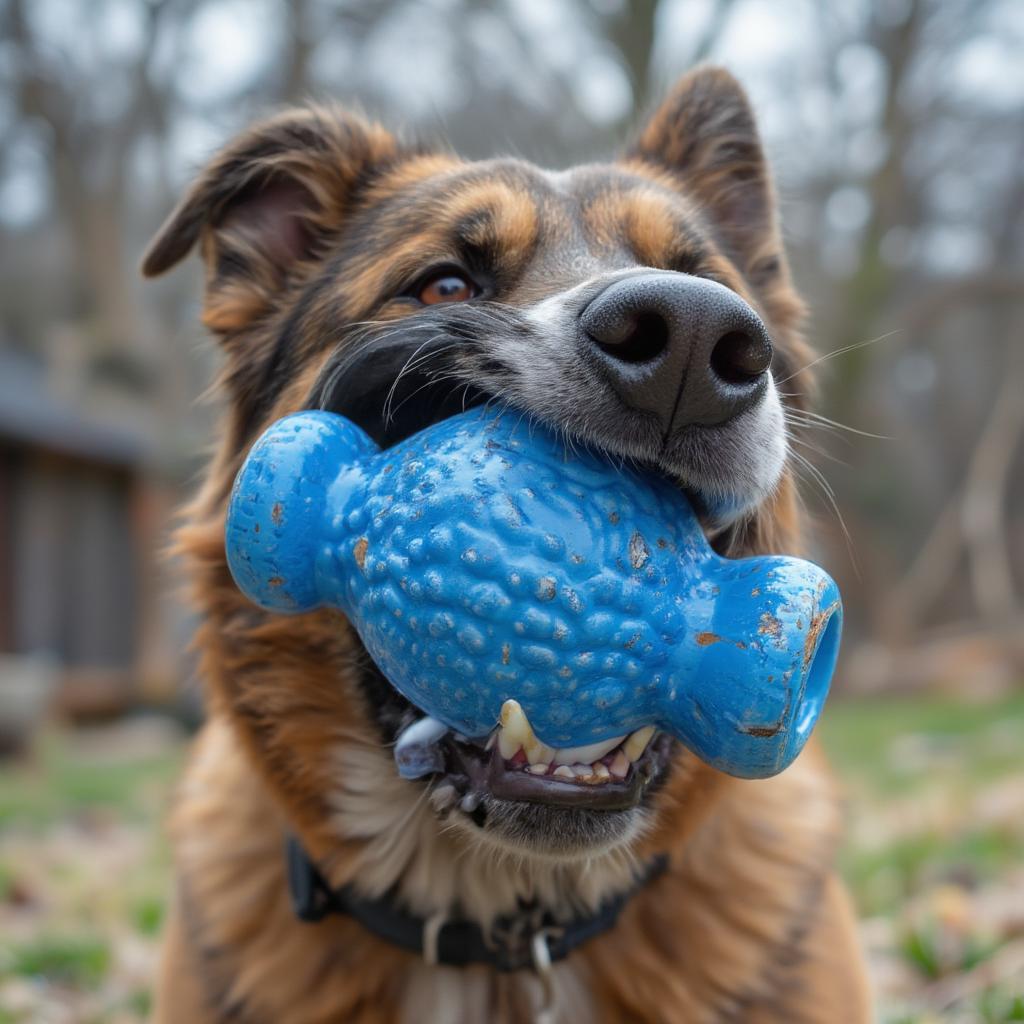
932,274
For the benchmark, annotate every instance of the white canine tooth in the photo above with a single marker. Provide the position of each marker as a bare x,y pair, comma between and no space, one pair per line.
507,745
587,754
637,742
537,752
563,771
514,731
620,765
537,769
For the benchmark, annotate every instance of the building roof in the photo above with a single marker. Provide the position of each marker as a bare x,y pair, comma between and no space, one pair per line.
30,413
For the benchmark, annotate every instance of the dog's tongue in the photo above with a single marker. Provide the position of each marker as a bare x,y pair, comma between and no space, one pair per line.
495,577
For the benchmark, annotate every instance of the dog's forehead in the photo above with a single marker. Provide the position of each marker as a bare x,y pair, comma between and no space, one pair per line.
570,223
614,216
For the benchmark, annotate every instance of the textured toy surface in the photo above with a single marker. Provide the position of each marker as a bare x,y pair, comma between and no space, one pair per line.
479,560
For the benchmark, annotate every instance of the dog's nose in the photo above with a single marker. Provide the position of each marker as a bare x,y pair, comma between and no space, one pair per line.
687,349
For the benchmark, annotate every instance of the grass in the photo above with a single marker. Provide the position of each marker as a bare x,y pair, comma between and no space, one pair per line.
928,762
84,874
866,739
934,857
60,782
80,962
935,850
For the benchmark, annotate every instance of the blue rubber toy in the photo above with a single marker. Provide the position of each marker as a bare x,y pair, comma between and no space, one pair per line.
479,560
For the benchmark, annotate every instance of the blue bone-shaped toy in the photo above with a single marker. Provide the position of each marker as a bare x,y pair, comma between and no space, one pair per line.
479,560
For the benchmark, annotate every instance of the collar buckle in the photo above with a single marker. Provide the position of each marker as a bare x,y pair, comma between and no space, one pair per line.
520,940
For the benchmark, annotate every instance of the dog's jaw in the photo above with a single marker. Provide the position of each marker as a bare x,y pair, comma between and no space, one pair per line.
435,863
581,820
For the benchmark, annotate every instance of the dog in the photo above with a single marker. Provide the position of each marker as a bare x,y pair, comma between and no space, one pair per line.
397,284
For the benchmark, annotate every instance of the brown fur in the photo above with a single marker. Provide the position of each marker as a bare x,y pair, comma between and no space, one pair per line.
309,221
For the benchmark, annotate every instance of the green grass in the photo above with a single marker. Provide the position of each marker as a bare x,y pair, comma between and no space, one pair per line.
58,783
916,773
998,1006
84,873
983,740
79,961
955,748
148,914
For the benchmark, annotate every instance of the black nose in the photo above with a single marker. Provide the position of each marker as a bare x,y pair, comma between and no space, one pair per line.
684,348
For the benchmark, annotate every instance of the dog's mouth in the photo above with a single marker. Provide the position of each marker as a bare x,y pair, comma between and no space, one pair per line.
392,393
392,390
513,764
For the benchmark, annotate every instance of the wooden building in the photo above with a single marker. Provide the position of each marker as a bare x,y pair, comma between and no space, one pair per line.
81,521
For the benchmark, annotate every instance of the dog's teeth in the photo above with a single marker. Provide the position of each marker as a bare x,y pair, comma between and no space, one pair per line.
515,731
637,742
587,754
507,746
539,753
516,740
620,765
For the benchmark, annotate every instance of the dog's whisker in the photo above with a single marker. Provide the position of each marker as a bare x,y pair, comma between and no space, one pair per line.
818,478
430,382
389,398
816,420
838,352
817,451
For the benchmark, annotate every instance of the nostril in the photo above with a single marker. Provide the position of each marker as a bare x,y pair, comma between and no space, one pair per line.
740,358
646,340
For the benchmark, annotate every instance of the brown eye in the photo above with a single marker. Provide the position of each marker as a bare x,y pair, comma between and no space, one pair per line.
447,287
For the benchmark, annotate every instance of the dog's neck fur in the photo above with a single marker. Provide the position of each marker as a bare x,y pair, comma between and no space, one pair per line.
745,879
444,867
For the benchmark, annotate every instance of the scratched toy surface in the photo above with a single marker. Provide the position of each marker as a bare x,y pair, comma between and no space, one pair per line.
479,560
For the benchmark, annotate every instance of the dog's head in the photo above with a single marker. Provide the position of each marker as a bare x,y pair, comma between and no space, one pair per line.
642,305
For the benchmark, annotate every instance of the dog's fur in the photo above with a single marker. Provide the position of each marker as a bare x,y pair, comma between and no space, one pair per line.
313,226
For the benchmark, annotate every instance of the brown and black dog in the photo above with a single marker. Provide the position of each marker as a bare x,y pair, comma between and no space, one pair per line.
338,261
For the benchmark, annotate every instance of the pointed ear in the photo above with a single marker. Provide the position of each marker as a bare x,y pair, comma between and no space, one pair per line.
704,134
266,203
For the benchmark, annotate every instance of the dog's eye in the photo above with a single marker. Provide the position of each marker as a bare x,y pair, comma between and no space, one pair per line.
447,286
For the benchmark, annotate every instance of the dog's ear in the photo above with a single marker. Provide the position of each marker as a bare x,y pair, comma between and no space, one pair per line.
704,135
704,138
265,204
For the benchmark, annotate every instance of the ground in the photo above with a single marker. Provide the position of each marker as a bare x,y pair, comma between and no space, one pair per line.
934,855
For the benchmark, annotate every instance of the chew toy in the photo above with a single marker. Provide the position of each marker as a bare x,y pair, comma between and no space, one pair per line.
480,560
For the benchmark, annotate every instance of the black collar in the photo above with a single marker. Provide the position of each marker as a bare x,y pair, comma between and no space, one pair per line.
515,942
